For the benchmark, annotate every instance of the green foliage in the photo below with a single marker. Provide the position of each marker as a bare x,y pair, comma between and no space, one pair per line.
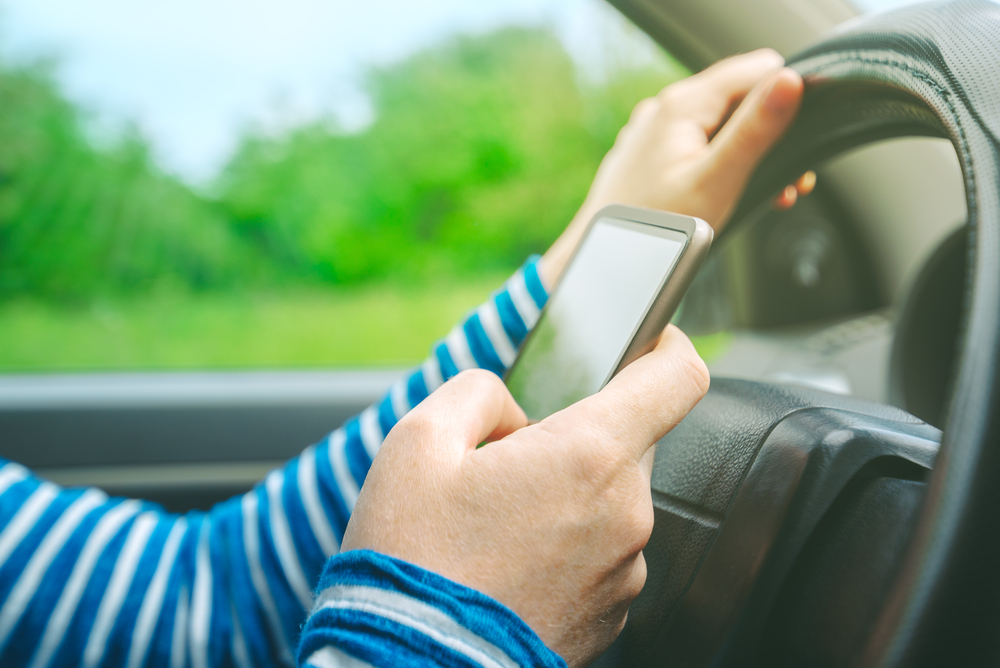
279,328
390,324
480,151
76,221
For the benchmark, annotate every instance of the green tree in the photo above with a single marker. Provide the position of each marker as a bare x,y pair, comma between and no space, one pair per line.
77,221
480,152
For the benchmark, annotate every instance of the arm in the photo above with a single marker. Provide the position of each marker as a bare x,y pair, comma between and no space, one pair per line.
120,583
383,611
681,151
549,521
117,582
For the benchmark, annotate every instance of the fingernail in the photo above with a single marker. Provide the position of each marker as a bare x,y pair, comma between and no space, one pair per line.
807,182
775,103
772,55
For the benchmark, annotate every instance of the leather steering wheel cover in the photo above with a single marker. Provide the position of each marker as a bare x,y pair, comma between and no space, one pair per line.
931,69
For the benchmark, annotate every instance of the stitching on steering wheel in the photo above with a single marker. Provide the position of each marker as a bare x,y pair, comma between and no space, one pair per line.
945,95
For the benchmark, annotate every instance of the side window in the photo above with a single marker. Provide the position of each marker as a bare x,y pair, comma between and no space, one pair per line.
304,185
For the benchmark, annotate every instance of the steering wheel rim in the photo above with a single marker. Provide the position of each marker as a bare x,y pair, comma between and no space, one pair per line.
741,485
930,70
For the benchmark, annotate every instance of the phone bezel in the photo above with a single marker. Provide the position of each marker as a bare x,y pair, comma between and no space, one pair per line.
671,290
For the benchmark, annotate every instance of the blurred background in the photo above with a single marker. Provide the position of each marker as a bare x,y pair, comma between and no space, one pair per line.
225,225
308,183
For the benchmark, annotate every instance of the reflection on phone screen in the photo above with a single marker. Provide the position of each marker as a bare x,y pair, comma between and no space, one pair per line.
593,314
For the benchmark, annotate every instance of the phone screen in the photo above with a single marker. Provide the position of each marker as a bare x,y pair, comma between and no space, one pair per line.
593,314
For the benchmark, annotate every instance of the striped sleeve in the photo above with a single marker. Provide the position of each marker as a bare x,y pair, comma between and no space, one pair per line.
373,610
92,581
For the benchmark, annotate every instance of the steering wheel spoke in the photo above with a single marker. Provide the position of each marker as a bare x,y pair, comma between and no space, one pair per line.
738,488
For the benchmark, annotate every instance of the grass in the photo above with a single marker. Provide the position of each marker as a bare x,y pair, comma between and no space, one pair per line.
372,326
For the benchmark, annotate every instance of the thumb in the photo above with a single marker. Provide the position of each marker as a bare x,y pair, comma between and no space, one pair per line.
472,407
645,400
755,127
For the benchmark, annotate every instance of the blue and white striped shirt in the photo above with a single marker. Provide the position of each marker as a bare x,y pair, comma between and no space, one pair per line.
90,581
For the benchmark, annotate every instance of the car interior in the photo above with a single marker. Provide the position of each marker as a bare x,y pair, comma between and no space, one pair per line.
812,510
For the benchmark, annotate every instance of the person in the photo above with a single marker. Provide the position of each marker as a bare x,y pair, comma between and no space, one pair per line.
527,551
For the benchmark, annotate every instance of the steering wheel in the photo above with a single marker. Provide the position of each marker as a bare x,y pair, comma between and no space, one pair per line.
798,528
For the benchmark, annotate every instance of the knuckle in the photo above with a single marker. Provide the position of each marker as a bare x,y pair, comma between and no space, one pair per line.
478,381
749,137
644,110
644,106
631,581
640,525
645,524
674,94
472,376
770,56
415,425
694,371
601,467
638,577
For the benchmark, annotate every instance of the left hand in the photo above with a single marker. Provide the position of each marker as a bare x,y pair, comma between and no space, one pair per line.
678,152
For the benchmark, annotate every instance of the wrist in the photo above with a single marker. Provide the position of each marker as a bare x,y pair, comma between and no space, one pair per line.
554,261
388,612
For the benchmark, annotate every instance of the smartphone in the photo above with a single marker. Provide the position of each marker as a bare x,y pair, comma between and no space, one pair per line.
619,290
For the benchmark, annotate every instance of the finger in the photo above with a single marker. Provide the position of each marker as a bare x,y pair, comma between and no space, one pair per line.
755,127
646,463
806,183
472,407
710,95
790,194
786,200
647,399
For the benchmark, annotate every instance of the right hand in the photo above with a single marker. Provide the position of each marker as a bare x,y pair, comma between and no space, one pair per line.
549,519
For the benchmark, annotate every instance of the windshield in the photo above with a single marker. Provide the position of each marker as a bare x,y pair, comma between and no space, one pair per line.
305,183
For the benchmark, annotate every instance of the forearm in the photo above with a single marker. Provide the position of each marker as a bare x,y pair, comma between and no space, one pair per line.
301,512
145,586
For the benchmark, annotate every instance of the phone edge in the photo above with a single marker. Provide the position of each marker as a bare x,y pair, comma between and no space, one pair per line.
669,298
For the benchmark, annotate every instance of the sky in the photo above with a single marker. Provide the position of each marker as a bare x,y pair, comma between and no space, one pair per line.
191,75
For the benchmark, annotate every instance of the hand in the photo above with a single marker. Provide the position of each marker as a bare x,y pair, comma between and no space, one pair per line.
678,152
549,519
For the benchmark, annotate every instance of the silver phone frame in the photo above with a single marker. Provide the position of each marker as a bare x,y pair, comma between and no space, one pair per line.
671,291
